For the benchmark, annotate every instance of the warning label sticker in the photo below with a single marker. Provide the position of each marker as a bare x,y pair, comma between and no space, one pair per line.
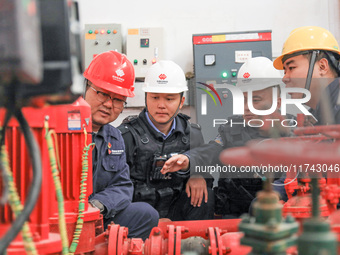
73,120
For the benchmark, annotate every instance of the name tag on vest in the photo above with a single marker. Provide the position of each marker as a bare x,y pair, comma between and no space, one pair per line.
115,152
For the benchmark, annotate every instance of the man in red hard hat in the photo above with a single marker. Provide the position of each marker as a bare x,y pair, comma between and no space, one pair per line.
109,81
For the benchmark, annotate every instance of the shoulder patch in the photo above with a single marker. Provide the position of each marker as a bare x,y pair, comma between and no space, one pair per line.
219,140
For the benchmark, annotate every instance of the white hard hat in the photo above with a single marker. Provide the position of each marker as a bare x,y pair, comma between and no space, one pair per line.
165,76
258,73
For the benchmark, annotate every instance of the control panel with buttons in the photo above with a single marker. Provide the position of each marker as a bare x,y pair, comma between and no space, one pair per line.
100,38
144,47
217,61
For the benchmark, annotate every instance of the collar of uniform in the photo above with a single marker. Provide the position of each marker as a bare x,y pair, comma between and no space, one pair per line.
109,130
157,130
180,124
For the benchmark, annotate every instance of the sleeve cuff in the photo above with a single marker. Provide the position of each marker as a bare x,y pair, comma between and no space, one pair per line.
95,203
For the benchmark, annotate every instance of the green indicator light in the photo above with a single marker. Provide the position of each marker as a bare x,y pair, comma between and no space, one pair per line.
234,74
90,31
109,31
135,61
224,74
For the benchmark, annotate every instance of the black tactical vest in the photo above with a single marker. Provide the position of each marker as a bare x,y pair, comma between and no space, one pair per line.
158,193
234,195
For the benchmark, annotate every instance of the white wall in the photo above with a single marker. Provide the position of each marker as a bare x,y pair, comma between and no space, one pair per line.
334,18
181,19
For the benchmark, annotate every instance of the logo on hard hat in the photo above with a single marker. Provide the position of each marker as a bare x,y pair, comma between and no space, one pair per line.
119,73
162,76
246,75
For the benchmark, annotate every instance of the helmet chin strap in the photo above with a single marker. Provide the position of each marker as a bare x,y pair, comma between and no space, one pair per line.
85,87
324,100
311,68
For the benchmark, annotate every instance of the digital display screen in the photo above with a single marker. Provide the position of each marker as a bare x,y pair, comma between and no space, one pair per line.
144,42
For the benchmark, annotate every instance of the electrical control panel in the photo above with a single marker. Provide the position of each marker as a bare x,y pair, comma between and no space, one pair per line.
144,47
100,38
217,59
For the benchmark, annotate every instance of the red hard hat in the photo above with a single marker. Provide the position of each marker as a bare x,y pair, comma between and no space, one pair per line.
113,72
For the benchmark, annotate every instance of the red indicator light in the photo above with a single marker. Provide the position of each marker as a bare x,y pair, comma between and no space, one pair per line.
153,61
102,31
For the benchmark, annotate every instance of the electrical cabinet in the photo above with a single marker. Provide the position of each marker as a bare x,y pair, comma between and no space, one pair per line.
144,47
217,59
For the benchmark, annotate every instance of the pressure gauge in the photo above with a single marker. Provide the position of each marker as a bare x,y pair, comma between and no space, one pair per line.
209,59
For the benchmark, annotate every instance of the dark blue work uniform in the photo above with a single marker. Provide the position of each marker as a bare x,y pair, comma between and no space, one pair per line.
113,188
235,191
331,95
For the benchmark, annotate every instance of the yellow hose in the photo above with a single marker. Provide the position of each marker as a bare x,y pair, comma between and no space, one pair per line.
82,197
16,205
58,188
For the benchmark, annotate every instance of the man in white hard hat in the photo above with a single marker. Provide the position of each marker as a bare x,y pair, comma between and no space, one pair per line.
158,133
234,193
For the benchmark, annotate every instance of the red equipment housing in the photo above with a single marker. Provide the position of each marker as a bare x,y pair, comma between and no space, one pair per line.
68,122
